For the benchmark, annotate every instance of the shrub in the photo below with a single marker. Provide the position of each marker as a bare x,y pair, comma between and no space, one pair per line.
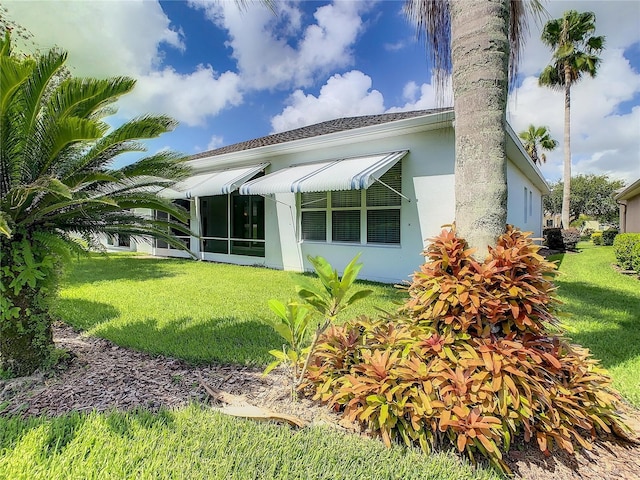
586,234
468,360
570,237
596,238
623,245
553,238
608,236
635,258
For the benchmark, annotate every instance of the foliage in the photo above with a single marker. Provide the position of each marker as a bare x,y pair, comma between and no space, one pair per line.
608,236
58,190
635,255
328,300
469,359
623,245
553,238
570,238
291,324
535,138
591,195
596,238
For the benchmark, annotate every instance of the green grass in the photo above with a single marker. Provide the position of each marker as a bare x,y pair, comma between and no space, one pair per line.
604,313
197,443
197,311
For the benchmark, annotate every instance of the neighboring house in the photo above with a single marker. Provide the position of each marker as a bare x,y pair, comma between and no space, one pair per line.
378,185
629,201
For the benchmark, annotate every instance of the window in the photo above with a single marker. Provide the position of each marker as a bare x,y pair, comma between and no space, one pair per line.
530,203
369,216
186,239
233,224
525,204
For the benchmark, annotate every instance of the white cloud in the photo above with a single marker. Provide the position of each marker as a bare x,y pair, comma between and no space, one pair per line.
215,142
273,51
425,96
189,98
605,139
342,96
103,38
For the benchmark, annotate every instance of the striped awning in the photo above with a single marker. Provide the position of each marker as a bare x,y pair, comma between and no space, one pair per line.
355,173
220,182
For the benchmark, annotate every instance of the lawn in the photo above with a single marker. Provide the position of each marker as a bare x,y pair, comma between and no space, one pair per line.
603,313
204,312
196,311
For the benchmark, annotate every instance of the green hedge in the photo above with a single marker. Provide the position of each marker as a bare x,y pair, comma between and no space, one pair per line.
623,246
635,260
596,238
608,236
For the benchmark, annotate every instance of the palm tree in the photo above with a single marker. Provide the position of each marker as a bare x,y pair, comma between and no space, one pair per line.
58,189
575,52
535,138
479,42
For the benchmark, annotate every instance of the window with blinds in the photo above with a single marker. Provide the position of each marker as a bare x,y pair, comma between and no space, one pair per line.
369,216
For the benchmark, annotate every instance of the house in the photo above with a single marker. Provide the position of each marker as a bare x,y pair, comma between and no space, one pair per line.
629,202
378,185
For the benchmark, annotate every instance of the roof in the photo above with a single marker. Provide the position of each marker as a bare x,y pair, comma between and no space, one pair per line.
324,128
629,192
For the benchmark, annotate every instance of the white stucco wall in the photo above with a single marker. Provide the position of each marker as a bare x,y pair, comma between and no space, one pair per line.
427,182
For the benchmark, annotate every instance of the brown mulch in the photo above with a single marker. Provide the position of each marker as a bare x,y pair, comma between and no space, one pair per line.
103,376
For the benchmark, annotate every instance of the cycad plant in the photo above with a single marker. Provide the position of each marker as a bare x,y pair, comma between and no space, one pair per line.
58,189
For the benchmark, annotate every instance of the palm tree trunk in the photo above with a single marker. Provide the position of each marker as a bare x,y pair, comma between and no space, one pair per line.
480,57
566,175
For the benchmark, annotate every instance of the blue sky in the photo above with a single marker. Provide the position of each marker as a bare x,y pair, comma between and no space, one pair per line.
230,75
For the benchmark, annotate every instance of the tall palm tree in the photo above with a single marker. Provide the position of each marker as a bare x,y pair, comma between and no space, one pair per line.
535,138
479,42
58,189
575,52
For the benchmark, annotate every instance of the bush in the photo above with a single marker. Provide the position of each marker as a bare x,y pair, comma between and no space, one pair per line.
608,236
635,258
468,359
623,245
570,238
553,238
596,238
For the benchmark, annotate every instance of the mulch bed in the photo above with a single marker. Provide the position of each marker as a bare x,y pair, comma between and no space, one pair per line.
102,376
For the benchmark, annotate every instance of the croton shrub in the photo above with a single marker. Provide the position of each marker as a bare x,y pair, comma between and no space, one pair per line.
472,359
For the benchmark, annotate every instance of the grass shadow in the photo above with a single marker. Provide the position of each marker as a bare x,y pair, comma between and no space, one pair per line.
226,340
83,314
101,268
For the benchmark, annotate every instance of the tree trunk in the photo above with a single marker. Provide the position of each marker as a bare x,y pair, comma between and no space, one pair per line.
480,58
566,187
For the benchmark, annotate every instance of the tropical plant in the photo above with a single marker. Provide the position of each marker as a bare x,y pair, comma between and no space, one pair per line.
291,324
58,190
479,43
535,138
470,359
575,53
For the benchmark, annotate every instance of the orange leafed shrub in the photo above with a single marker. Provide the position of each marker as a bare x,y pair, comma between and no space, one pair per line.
468,359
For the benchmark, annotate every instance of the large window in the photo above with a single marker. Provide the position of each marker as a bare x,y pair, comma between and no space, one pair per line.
355,216
186,204
233,224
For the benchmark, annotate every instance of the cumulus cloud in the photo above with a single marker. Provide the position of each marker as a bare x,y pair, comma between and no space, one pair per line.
273,51
342,96
102,38
215,142
189,98
425,96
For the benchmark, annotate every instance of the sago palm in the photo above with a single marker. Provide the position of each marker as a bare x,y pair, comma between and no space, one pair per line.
575,53
537,138
479,43
58,189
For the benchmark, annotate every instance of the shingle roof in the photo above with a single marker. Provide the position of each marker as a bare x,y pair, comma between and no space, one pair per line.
324,128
